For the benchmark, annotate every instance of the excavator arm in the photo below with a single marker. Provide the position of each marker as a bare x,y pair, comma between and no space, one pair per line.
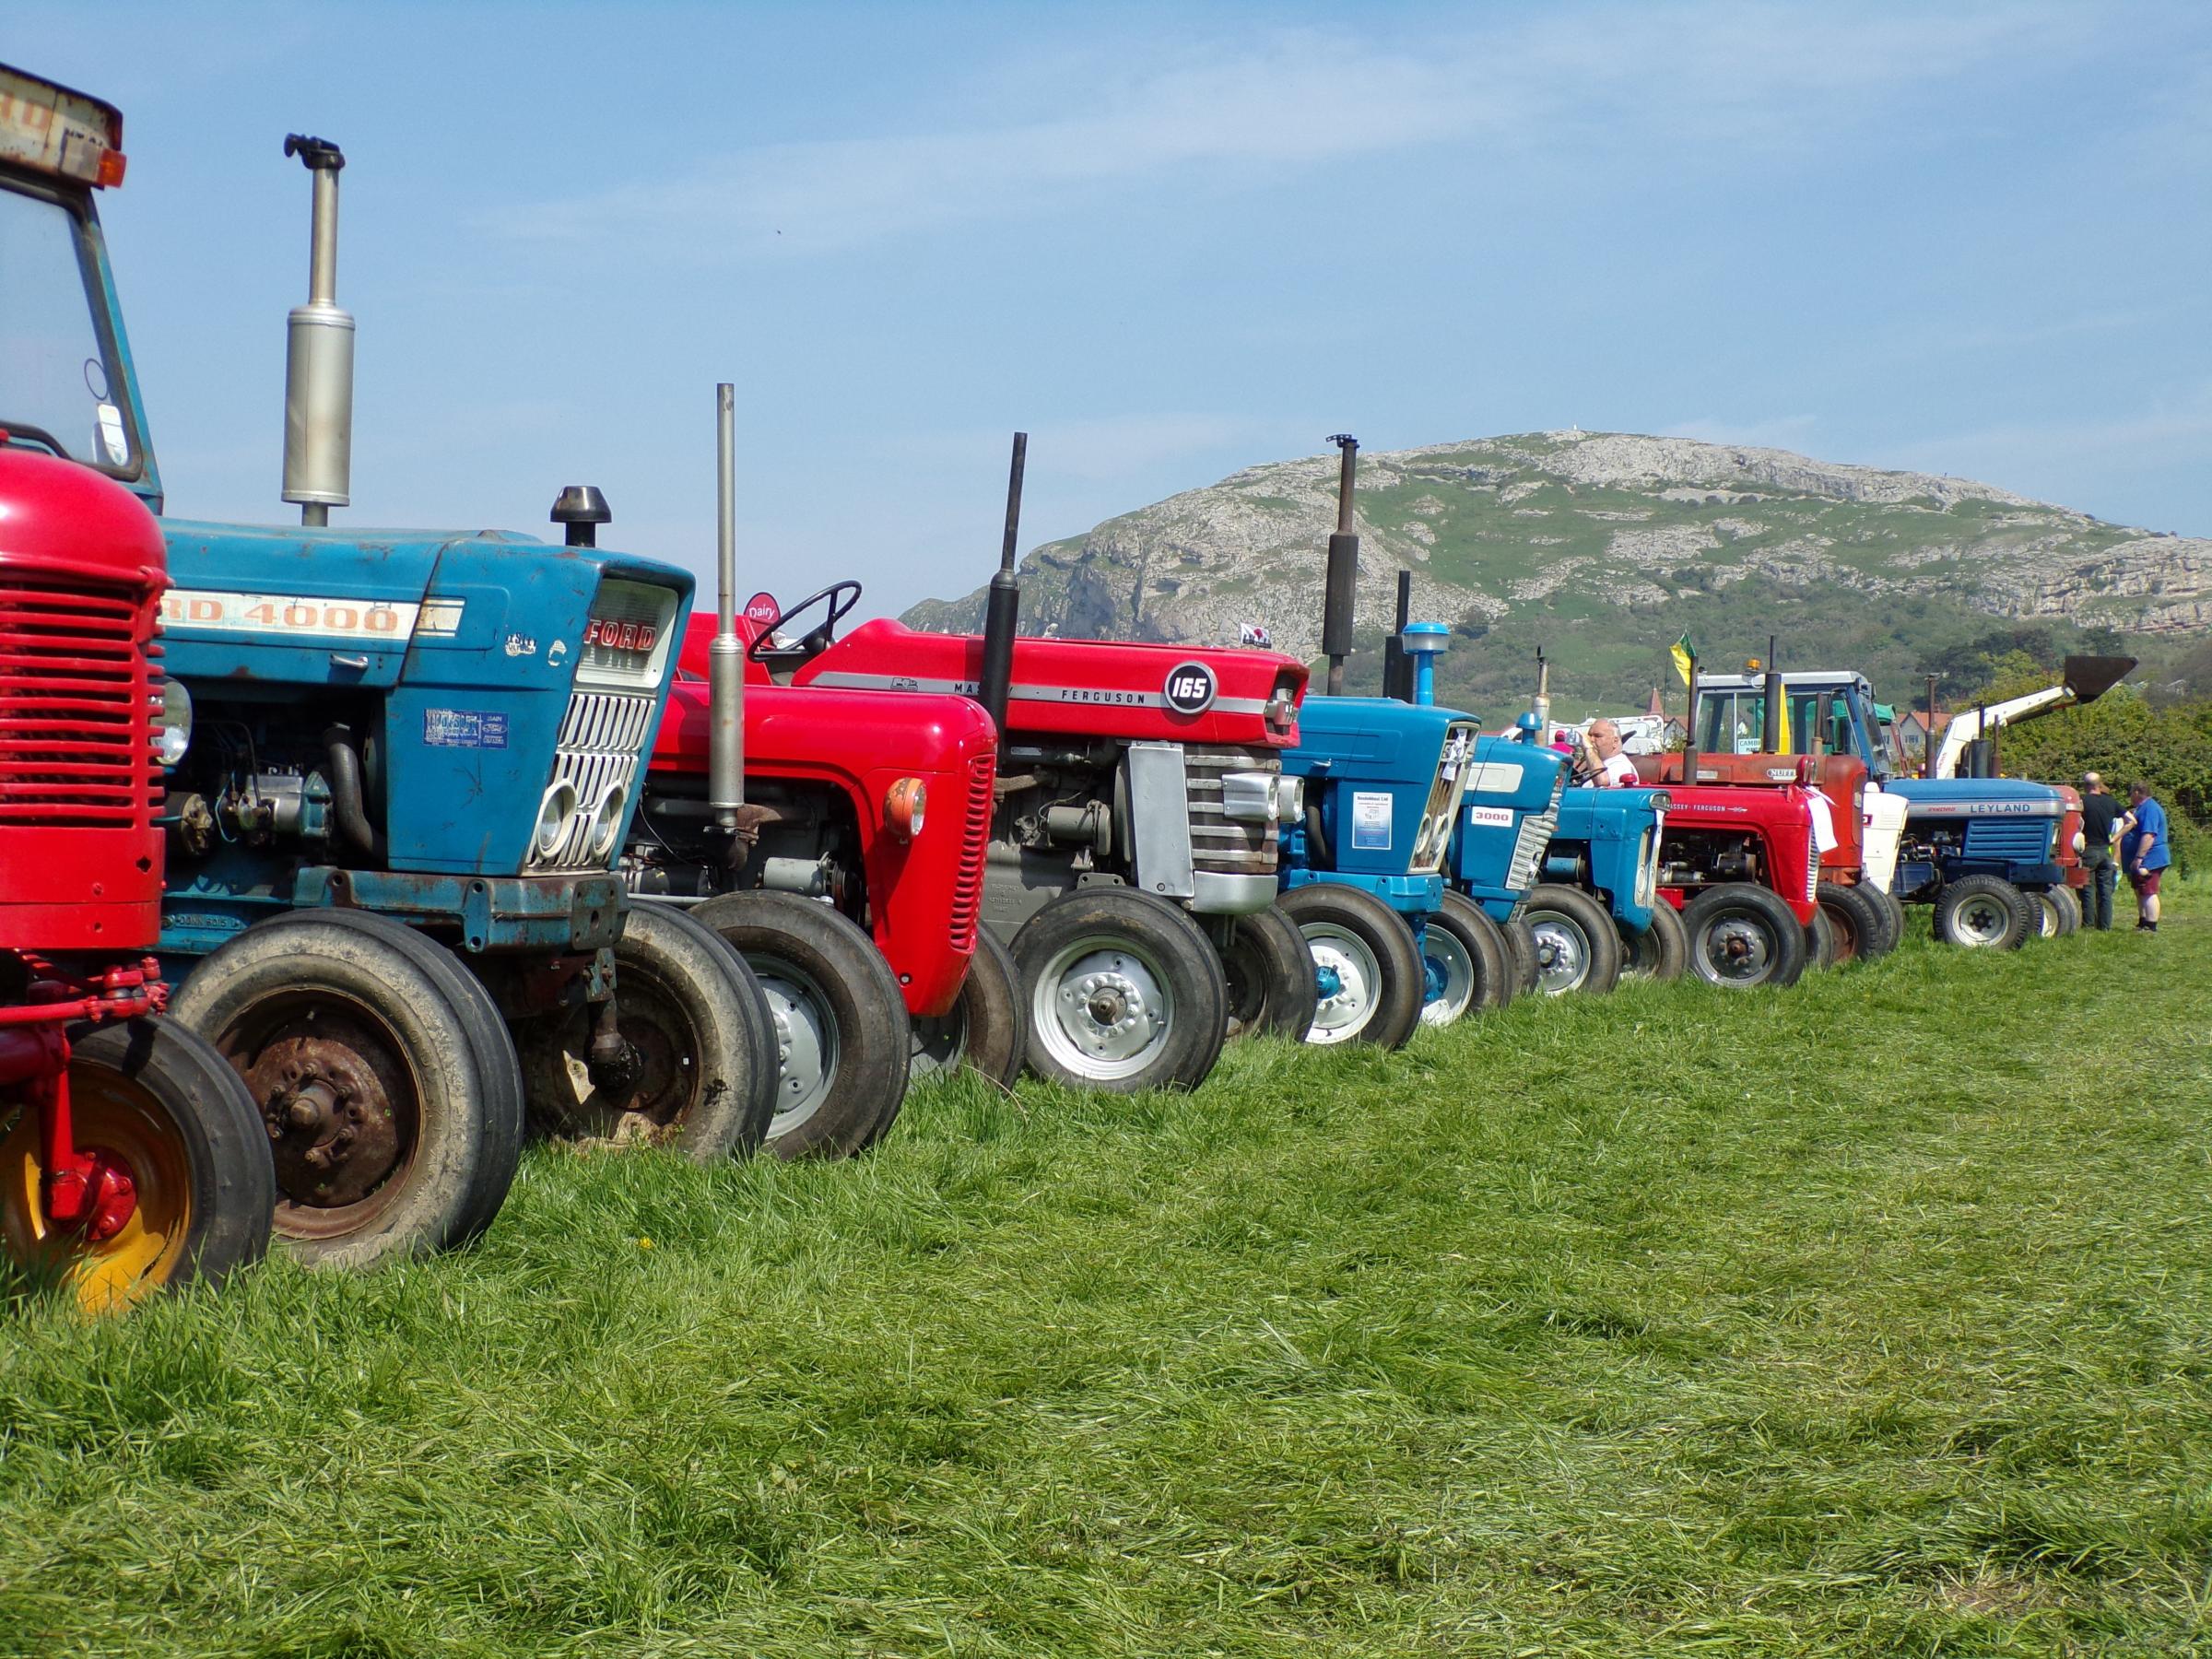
2084,679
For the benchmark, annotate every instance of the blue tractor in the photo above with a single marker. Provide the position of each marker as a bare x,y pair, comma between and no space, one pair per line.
400,766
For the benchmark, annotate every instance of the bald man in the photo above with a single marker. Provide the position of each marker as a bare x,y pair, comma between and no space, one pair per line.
1608,766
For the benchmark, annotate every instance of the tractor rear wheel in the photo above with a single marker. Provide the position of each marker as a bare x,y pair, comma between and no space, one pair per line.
986,1031
1822,946
1369,973
840,1035
159,1108
702,1070
1520,955
1269,971
1465,958
1741,935
1660,952
1577,948
1985,912
1863,923
2058,912
386,1081
1124,992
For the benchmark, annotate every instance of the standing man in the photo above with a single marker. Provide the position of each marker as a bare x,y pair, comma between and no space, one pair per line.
2099,824
2144,852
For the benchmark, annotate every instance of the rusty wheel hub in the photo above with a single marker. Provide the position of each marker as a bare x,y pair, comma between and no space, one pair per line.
333,1130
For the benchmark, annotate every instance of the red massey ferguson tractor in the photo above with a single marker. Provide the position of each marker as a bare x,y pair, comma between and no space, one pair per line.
131,1157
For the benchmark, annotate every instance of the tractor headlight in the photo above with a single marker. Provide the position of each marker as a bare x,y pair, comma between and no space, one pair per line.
606,819
172,727
905,804
553,815
1290,799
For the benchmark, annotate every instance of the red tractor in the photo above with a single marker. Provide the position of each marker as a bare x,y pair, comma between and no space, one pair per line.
131,1157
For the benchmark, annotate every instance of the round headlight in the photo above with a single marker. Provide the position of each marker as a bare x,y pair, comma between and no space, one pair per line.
1290,799
904,806
606,819
173,729
553,815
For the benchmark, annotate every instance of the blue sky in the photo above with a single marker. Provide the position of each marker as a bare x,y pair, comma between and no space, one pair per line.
1168,240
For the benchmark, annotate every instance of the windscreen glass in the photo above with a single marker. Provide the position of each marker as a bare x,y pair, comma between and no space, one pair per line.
59,389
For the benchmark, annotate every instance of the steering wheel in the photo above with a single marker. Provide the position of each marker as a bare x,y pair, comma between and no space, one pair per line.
840,596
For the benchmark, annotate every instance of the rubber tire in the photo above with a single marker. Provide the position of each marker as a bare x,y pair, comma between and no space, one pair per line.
1660,953
1481,938
988,1027
1746,901
451,1030
1860,922
1823,947
1396,1012
779,934
2058,912
1897,912
1171,948
1446,940
1520,955
727,1041
1570,906
231,1186
1957,895
1268,974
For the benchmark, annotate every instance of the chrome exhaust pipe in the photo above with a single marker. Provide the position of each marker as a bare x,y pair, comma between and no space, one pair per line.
725,651
318,356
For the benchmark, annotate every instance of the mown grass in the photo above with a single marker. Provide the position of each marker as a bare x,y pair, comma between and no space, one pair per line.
1870,1318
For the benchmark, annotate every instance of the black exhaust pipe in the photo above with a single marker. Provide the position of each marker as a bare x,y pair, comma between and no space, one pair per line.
1344,569
1002,609
1770,738
1397,668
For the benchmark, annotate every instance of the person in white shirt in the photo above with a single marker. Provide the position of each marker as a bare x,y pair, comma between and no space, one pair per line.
1607,766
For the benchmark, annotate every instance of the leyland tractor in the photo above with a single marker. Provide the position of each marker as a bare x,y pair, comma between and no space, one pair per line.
1814,737
1133,841
838,846
400,766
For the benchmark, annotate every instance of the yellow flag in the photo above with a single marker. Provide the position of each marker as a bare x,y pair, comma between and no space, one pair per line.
1684,653
1787,746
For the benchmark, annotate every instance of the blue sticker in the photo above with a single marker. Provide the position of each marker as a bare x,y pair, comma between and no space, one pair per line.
463,728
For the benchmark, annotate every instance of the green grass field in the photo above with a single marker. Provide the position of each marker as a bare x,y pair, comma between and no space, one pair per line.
1870,1318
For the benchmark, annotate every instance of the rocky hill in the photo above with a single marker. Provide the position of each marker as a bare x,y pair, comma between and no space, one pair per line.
1604,546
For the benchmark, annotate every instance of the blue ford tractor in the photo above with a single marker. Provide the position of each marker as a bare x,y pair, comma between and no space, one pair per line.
400,766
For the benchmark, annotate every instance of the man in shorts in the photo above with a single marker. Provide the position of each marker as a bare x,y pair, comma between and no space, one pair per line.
2144,853
2099,823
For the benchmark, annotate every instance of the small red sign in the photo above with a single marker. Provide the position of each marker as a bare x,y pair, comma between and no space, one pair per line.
761,610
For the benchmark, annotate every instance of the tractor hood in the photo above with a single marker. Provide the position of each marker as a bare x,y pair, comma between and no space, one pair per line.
1370,740
1594,815
1519,777
285,605
1085,687
1975,797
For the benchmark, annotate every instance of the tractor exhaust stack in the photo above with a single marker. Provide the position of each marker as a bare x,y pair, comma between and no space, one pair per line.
1541,705
1770,738
1002,609
1341,587
318,356
725,651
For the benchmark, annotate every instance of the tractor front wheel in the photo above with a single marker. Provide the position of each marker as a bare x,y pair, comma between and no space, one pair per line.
701,1054
840,1033
1124,992
1520,955
986,1031
2058,912
1366,971
386,1082
175,1137
1270,977
1660,952
1577,948
1985,912
1465,958
1741,935
1860,919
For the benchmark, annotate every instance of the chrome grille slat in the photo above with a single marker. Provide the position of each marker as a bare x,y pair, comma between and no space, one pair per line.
602,738
1220,843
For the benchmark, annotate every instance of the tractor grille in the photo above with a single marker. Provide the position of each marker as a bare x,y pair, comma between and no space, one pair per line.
601,739
1534,839
975,837
1225,846
1433,838
1812,869
75,707
2010,840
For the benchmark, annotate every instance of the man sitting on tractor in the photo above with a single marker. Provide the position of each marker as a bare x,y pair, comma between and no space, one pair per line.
1602,763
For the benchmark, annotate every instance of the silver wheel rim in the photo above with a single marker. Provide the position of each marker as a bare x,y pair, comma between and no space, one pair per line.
939,1045
1342,1017
1563,952
1735,950
2047,917
1102,1008
807,1044
1450,958
1981,920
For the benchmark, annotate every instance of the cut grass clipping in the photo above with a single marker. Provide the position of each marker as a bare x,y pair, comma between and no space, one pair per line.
1867,1318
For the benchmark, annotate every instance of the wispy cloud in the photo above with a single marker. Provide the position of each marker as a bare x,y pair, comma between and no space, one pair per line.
1752,74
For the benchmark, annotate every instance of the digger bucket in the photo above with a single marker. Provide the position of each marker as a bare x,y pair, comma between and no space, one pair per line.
2089,678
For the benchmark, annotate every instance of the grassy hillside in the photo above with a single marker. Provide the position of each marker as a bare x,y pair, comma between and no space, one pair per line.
1653,1326
1604,546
